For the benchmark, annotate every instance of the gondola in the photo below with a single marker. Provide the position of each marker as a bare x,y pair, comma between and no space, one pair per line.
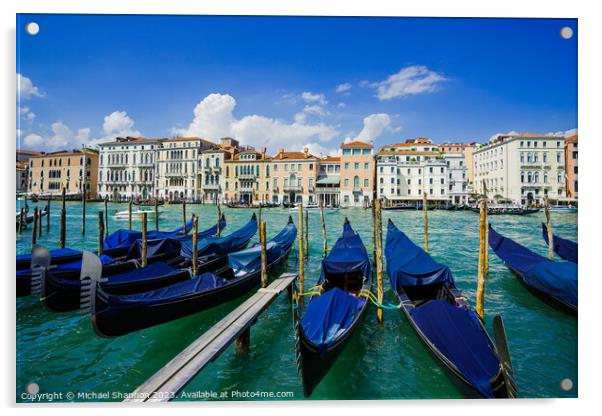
115,315
508,211
60,293
566,249
553,281
28,219
444,322
400,207
148,202
333,314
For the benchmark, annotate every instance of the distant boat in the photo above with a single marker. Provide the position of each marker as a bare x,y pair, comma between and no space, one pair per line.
567,249
554,281
136,213
335,312
508,211
563,208
314,208
443,320
148,202
28,218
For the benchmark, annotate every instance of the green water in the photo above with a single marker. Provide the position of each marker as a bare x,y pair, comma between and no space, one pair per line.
61,353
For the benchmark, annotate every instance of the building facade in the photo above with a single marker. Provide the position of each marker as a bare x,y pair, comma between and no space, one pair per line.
357,174
50,173
571,158
127,168
521,168
328,182
457,178
406,171
467,150
247,177
178,169
294,177
22,169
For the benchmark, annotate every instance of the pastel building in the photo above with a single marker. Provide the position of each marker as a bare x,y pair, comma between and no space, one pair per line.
571,158
50,173
522,168
467,150
357,174
127,168
328,182
457,180
22,168
293,177
247,177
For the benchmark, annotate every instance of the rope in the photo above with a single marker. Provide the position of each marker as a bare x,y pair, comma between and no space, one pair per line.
372,298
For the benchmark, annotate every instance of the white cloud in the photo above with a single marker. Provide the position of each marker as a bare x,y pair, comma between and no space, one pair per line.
411,80
27,114
117,121
26,89
564,133
375,125
33,141
341,105
214,119
343,87
316,110
314,98
496,135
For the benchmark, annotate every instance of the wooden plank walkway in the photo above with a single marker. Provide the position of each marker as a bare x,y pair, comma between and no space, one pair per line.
169,380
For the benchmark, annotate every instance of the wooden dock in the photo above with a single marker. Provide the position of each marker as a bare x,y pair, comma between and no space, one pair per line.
169,380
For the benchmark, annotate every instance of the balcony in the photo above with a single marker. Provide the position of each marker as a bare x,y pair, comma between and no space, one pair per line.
248,176
292,188
212,186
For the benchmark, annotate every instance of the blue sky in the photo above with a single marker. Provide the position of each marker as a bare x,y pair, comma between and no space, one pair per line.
292,81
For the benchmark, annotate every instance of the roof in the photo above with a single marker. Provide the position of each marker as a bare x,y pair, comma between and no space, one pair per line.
331,159
74,152
572,139
407,152
535,136
356,144
261,156
188,139
455,144
282,155
125,140
28,153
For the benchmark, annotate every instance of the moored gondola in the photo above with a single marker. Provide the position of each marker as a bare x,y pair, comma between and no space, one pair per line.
61,292
566,249
333,314
114,315
555,282
445,323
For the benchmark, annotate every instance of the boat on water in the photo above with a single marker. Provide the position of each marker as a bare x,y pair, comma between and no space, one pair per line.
563,208
136,213
553,281
507,211
148,202
166,257
115,315
566,249
28,218
399,207
444,321
335,312
314,208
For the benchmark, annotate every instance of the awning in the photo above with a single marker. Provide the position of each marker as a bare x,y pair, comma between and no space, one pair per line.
328,180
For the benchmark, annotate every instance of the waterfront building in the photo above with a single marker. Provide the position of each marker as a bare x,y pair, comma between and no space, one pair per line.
247,176
127,168
457,178
467,150
571,157
22,169
178,168
293,177
407,170
521,168
357,174
72,170
328,181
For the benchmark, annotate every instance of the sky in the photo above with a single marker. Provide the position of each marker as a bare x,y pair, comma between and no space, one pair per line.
291,82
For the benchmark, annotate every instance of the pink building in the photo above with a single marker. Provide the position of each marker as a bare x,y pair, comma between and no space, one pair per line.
357,174
294,177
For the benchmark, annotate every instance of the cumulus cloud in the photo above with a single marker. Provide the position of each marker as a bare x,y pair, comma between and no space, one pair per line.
343,87
375,125
314,98
26,89
411,80
26,114
33,141
496,135
214,119
564,133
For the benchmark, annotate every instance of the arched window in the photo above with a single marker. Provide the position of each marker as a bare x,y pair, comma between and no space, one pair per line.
356,182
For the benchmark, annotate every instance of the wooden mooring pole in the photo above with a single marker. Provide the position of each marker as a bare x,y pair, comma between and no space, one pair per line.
219,218
63,222
426,222
195,241
39,223
101,232
83,208
183,217
306,244
34,229
264,258
107,215
323,230
130,213
379,259
156,214
48,214
374,232
481,266
550,232
301,269
486,249
21,220
144,240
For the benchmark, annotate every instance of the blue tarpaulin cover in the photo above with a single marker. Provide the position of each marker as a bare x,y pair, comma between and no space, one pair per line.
250,259
220,246
410,265
567,249
77,264
348,255
154,248
556,279
55,253
458,334
329,315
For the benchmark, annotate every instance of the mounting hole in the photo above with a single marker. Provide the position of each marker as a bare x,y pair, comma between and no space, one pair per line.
32,28
566,384
32,388
566,32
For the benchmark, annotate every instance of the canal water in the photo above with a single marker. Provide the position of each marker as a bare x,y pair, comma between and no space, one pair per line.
61,353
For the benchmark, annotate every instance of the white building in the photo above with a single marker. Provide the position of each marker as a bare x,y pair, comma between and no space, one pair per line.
407,170
457,178
329,181
212,174
521,168
179,168
127,168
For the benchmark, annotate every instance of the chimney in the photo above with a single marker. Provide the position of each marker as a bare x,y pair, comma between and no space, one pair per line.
280,153
306,151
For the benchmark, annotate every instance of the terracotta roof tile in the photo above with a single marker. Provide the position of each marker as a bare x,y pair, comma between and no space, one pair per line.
356,144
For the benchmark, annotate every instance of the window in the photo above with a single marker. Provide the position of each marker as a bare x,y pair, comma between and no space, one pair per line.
346,151
356,165
575,170
347,165
357,151
347,182
574,155
366,183
367,164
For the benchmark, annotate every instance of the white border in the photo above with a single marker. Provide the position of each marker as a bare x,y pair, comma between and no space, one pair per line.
590,94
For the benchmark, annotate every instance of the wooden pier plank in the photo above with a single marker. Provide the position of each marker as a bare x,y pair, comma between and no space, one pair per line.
205,349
